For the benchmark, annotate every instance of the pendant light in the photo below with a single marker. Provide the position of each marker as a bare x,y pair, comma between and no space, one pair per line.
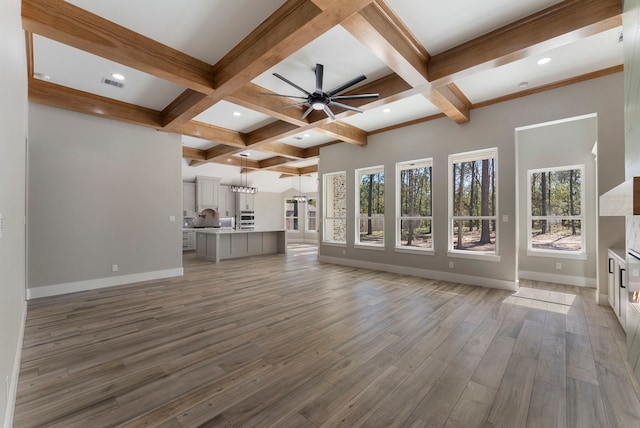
243,187
300,198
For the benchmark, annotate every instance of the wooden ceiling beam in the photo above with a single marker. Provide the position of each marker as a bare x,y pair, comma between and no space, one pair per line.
379,29
308,169
213,133
273,162
292,26
65,23
254,97
344,132
284,150
550,28
193,153
314,152
54,95
451,101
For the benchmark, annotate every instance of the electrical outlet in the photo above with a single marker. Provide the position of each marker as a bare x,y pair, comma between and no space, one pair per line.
172,218
558,265
450,265
114,268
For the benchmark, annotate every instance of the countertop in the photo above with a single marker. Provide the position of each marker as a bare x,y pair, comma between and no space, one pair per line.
219,231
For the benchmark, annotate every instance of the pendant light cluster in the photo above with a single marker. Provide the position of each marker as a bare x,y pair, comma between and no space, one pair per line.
243,187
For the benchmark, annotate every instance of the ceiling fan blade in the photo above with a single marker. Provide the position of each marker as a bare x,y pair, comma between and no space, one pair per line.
329,112
284,79
347,85
346,107
319,77
354,97
290,105
306,113
282,95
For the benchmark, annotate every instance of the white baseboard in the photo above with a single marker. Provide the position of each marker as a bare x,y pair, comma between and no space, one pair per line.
602,299
579,281
425,273
13,385
92,284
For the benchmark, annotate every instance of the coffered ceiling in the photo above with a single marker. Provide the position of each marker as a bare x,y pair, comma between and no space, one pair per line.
203,68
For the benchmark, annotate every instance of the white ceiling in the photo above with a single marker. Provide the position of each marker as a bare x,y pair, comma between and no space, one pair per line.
208,29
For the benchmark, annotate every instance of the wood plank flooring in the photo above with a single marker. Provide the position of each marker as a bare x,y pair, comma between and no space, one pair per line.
284,341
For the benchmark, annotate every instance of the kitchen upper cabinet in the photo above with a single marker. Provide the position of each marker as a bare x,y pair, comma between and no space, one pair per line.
207,189
245,201
226,202
188,199
617,286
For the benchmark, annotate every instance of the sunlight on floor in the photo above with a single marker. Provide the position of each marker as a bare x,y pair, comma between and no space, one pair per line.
552,301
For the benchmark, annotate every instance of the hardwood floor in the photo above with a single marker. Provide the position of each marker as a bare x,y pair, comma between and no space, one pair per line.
285,341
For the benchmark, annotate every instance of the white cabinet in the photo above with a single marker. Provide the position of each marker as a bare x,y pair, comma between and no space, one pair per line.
617,286
188,199
226,202
207,192
188,240
245,201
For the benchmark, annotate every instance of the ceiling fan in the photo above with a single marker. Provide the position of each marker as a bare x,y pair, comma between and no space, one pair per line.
320,100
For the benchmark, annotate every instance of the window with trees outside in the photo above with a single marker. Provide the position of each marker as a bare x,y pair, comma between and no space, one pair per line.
312,224
414,216
370,206
473,202
334,225
555,210
291,214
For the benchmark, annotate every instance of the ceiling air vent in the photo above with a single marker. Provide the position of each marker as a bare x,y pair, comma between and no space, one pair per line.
111,82
297,138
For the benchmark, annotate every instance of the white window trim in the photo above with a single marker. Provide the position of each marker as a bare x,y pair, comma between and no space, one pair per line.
468,157
537,252
286,201
398,247
324,210
372,170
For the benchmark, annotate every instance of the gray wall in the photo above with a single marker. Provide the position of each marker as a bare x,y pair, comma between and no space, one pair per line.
492,126
556,145
268,210
13,131
100,193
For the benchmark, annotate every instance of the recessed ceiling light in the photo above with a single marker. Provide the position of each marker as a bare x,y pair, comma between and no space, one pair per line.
117,76
386,110
523,85
306,135
237,113
42,76
544,61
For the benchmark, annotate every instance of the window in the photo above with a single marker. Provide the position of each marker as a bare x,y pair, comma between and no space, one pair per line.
312,224
335,208
555,210
291,214
473,202
370,206
414,216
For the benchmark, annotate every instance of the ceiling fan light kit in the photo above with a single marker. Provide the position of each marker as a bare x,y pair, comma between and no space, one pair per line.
320,100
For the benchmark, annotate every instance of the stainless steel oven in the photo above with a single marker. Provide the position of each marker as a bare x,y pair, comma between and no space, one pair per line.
246,220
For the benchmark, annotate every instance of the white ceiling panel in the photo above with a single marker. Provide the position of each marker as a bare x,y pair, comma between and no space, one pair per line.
204,29
232,116
405,110
441,25
83,71
306,139
566,62
197,143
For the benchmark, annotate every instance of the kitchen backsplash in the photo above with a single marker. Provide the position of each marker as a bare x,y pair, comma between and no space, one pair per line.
633,232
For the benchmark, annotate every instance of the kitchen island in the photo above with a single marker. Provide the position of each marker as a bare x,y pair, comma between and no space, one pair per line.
221,244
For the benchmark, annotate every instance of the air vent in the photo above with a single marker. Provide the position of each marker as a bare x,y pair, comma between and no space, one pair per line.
111,82
297,138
